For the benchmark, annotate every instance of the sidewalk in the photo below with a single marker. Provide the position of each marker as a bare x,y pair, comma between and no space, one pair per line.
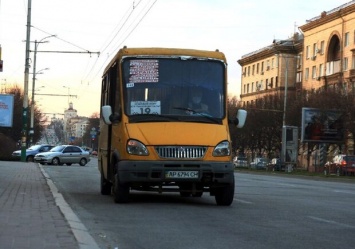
33,215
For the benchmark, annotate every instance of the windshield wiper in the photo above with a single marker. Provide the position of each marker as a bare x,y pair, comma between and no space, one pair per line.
199,114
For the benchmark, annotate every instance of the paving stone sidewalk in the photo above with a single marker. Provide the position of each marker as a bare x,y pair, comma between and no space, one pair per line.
29,216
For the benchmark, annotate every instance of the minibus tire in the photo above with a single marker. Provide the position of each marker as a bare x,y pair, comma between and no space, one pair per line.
224,196
105,186
120,191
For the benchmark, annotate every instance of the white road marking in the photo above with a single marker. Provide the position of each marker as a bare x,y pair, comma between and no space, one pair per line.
242,201
344,192
331,222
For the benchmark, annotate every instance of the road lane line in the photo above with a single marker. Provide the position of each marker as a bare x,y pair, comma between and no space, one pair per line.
344,192
242,201
331,222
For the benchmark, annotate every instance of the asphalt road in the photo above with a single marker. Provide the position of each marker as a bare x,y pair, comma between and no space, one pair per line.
269,211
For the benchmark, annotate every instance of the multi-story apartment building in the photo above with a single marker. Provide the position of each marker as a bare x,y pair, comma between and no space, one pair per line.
74,125
329,49
322,56
78,127
272,69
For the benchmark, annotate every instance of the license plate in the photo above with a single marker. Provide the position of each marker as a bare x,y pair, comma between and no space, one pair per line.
182,174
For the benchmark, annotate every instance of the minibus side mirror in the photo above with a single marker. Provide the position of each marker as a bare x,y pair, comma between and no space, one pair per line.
240,118
108,116
106,112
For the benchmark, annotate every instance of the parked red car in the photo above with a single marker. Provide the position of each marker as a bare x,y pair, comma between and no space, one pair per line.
340,165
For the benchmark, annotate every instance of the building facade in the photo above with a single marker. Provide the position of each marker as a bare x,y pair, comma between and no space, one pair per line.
272,69
320,57
329,48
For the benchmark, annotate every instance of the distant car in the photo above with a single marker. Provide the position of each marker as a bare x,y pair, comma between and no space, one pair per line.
340,165
64,154
240,162
259,163
94,153
32,151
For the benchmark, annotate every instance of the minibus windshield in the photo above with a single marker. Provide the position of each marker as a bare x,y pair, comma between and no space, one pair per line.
187,89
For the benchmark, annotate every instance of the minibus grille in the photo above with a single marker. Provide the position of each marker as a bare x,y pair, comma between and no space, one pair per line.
181,152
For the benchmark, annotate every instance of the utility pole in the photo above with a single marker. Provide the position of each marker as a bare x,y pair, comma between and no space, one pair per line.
33,85
25,96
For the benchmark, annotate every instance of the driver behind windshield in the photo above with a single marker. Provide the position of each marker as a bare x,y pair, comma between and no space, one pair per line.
195,101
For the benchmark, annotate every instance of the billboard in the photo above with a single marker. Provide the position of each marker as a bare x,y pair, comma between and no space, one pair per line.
6,110
322,126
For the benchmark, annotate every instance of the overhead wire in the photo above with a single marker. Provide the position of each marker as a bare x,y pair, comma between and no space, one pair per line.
121,24
57,37
124,39
129,13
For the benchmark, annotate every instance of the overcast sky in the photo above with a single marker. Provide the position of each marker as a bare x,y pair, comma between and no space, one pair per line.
234,27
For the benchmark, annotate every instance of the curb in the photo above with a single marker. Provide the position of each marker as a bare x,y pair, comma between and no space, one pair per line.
85,240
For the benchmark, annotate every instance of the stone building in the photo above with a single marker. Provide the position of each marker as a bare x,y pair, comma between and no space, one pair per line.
272,69
321,56
329,49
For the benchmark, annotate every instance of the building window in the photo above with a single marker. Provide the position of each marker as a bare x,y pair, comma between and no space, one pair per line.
314,72
314,49
272,63
306,74
299,61
321,69
345,64
346,39
262,66
307,52
276,81
321,47
353,62
253,70
299,77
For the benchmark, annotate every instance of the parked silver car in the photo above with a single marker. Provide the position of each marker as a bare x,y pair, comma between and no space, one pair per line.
32,151
64,154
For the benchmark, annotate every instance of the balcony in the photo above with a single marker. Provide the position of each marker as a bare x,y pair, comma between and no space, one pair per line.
332,67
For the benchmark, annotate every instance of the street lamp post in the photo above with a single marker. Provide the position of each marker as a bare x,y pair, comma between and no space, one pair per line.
31,132
285,94
33,109
68,93
284,127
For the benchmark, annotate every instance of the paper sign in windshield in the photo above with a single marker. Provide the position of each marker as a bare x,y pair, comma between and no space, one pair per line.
143,71
145,107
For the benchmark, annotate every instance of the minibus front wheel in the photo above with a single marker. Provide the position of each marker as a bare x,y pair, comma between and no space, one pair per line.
120,191
224,195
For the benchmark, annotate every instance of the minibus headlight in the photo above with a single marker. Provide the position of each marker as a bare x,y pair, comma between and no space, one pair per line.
135,147
222,149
